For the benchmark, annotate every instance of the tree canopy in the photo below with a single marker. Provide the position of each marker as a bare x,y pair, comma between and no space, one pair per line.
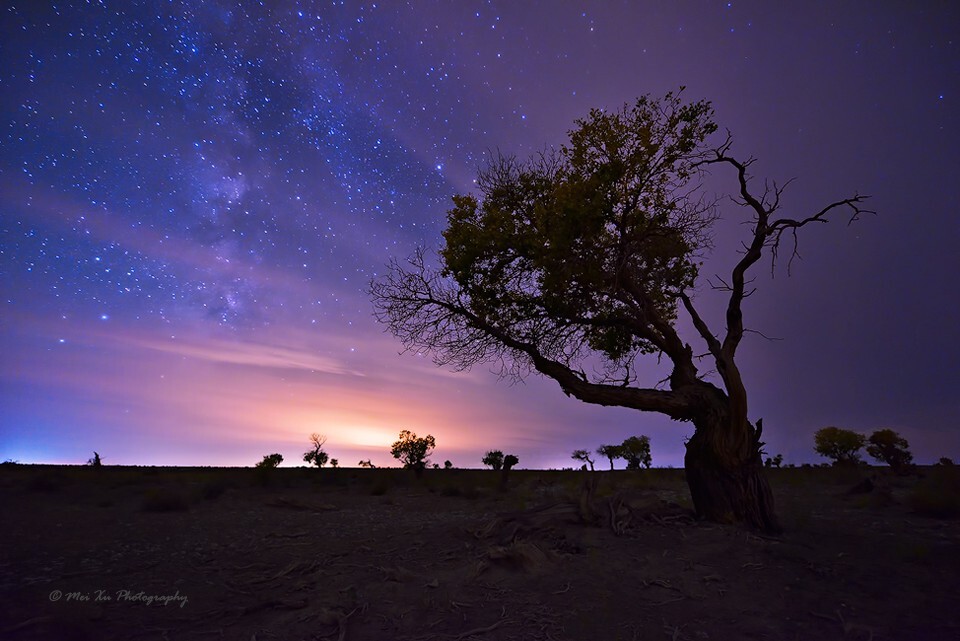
843,446
889,447
412,450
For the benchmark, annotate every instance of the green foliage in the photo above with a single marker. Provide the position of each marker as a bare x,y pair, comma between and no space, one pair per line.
636,451
610,452
556,252
413,451
582,456
843,446
270,461
494,459
316,456
889,447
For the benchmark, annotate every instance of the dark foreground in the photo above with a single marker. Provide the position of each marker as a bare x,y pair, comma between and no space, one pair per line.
128,553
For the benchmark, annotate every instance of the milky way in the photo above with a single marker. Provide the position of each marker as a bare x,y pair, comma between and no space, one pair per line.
195,197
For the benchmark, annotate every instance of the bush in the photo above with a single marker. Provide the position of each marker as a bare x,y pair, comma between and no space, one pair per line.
270,461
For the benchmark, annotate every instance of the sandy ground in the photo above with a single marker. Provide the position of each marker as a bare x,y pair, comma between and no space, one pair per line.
129,553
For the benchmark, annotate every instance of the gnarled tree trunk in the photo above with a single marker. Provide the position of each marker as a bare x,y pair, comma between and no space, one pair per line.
725,472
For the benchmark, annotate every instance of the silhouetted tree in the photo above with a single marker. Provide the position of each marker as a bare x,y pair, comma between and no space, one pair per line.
494,459
945,461
367,464
316,456
843,446
611,452
889,447
95,461
334,463
585,255
775,461
636,451
413,451
447,465
584,456
270,461
508,462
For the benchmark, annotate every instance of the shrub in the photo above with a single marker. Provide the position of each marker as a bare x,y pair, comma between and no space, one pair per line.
945,461
270,461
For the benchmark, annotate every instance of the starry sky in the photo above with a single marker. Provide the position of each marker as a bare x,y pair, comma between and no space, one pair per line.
194,198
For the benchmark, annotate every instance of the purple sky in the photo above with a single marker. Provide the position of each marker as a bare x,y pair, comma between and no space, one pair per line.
195,196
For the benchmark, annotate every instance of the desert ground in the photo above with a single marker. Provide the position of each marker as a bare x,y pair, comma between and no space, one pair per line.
350,554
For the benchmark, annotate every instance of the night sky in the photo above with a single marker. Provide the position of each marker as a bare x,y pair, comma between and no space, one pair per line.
194,198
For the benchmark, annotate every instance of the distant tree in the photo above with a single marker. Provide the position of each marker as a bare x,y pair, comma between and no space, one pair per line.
636,451
843,446
584,456
447,465
436,466
316,456
494,459
508,462
776,461
611,452
945,461
366,464
334,463
270,461
413,451
95,461
889,447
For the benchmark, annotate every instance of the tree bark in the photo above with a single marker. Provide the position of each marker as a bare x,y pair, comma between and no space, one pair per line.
724,471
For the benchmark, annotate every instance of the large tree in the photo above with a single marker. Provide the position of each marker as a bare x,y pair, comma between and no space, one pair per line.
576,264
